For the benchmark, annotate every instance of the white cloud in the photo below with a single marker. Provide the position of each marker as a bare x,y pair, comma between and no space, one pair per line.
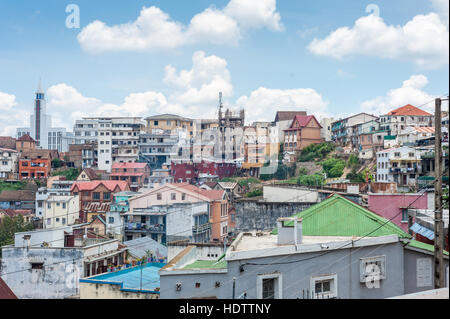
255,13
424,41
200,86
411,92
10,116
7,101
154,29
263,103
441,7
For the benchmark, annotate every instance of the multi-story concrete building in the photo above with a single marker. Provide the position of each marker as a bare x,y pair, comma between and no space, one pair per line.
400,165
342,129
115,224
399,119
60,211
57,188
168,194
261,147
41,130
118,140
8,164
171,222
136,174
86,131
171,123
48,264
159,147
413,134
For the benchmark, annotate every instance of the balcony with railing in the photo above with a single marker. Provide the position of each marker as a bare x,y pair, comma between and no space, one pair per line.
197,229
147,228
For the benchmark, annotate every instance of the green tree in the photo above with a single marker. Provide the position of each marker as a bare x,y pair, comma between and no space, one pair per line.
333,167
11,225
56,163
255,193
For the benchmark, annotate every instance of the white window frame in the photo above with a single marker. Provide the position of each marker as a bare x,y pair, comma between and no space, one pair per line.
278,290
363,265
333,286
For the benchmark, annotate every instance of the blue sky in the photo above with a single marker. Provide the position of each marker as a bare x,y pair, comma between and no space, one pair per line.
271,64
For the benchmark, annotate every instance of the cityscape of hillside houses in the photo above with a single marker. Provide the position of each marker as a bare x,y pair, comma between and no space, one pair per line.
220,158
173,207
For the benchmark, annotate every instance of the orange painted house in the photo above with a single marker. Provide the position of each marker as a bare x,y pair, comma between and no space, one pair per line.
304,131
34,168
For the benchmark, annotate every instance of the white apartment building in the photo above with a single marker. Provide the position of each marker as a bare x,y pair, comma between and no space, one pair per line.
61,211
85,131
58,188
8,163
325,131
399,119
400,165
118,140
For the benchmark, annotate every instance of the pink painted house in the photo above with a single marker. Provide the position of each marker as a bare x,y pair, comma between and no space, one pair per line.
389,205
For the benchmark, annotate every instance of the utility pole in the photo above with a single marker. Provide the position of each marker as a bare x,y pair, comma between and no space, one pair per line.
439,274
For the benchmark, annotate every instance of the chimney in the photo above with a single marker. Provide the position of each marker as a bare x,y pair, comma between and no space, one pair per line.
289,235
27,238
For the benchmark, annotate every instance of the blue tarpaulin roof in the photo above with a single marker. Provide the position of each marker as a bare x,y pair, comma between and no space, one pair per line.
428,233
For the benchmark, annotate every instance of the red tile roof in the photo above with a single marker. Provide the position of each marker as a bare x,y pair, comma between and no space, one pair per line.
13,212
128,165
26,138
5,291
87,186
409,110
303,121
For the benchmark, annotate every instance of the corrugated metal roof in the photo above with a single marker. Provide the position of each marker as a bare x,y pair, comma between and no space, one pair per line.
139,247
338,216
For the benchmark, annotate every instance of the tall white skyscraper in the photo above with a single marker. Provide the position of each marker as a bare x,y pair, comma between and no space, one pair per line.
41,130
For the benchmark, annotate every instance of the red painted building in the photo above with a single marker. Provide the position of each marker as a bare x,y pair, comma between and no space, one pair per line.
136,174
390,205
190,172
34,168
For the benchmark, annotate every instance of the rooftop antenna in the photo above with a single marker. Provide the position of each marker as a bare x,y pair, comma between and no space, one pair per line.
39,89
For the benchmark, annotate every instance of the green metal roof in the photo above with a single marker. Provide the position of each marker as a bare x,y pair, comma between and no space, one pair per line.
338,216
207,264
420,245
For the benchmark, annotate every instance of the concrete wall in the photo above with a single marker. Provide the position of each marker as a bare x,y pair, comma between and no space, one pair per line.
54,237
204,252
58,278
256,215
295,277
111,291
413,282
283,194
